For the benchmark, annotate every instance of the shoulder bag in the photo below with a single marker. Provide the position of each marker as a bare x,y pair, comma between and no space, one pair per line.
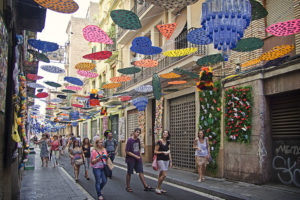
107,170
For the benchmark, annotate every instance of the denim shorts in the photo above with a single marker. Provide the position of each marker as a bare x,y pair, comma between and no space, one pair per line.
137,165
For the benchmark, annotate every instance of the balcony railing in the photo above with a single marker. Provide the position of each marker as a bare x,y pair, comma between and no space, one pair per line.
164,62
139,11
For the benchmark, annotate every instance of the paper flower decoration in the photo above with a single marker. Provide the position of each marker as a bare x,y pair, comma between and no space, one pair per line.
35,85
101,55
65,108
70,87
276,62
277,52
68,91
73,80
143,45
144,88
167,29
140,103
156,86
206,82
42,95
43,45
248,44
176,82
170,75
129,70
125,98
87,74
93,33
146,63
34,77
39,56
62,6
52,69
126,19
52,84
94,102
84,66
185,72
77,105
199,37
179,52
286,28
111,85
61,96
257,10
120,79
210,60
251,62
170,4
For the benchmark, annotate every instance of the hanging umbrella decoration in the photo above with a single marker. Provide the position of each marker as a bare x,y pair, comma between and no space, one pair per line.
111,85
286,28
140,103
210,60
129,70
125,98
143,45
179,82
144,88
61,96
249,44
120,79
257,10
35,85
185,72
277,52
206,82
126,19
87,74
146,63
94,98
62,6
34,77
171,4
156,86
166,29
75,88
39,56
73,80
77,105
85,66
74,115
93,33
52,69
101,55
180,52
199,36
43,46
42,95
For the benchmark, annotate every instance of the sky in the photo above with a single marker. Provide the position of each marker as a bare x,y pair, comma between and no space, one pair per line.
55,31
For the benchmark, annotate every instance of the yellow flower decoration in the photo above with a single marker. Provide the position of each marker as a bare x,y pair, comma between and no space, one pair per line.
277,52
180,52
111,85
231,76
85,66
251,62
170,75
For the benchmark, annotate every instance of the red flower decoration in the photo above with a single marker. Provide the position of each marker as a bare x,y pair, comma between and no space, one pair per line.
243,119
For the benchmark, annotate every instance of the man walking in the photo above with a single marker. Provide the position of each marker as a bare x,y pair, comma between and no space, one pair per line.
134,160
111,146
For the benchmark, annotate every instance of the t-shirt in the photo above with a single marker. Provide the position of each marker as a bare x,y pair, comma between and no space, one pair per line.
55,145
134,147
110,145
95,155
163,147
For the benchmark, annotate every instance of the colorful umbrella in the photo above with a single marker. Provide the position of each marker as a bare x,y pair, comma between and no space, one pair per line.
199,36
146,63
52,84
34,77
156,86
126,19
35,85
93,33
129,70
286,28
73,80
179,52
167,29
70,87
143,45
42,95
101,55
171,4
62,6
87,74
43,45
144,88
120,79
111,85
52,69
68,91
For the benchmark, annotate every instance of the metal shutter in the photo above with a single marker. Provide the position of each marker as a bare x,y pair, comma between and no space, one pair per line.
285,115
132,122
182,131
279,11
94,128
85,130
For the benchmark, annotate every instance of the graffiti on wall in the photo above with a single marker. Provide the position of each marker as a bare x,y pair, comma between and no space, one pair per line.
286,162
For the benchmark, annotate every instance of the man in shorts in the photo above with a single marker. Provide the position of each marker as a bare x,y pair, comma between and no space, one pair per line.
134,160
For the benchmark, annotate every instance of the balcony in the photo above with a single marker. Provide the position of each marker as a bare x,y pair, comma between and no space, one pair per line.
146,13
166,64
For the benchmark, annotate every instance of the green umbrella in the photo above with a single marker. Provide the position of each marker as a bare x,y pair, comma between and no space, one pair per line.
68,91
129,70
210,60
53,84
257,10
156,86
185,72
249,44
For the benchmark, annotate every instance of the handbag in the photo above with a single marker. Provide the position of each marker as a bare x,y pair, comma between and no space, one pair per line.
154,163
107,171
110,164
79,161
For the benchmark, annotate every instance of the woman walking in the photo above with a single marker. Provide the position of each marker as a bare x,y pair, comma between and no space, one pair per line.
98,159
202,154
55,150
86,148
77,158
164,160
44,150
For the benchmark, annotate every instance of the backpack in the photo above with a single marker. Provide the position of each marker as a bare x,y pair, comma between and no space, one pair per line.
115,143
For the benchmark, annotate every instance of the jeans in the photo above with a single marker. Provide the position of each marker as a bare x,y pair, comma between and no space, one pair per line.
100,180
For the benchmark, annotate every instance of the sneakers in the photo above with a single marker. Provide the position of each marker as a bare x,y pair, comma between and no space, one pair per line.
157,191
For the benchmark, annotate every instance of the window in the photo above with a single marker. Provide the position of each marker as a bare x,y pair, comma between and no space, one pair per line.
181,39
113,71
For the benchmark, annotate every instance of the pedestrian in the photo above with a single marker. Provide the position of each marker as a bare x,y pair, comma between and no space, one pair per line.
55,150
98,160
86,148
35,139
44,154
134,160
77,158
202,154
60,139
164,159
111,146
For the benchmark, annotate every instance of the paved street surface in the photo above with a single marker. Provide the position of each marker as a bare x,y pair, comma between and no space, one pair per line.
115,187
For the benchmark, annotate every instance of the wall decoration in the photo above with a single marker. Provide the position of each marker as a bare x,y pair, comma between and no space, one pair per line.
185,72
122,129
104,123
144,88
93,33
84,66
34,77
251,62
39,56
129,70
140,103
71,87
52,69
62,6
158,124
249,44
43,45
277,52
166,29
52,84
126,19
156,86
170,75
101,55
238,108
180,52
206,82
177,82
68,91
257,10
170,4
199,37
143,45
73,80
42,95
125,98
3,64
286,28
210,120
142,126
210,60
35,85
111,85
87,74
146,63
120,79
214,22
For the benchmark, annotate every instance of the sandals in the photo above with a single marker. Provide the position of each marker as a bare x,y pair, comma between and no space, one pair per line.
128,189
100,198
148,188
